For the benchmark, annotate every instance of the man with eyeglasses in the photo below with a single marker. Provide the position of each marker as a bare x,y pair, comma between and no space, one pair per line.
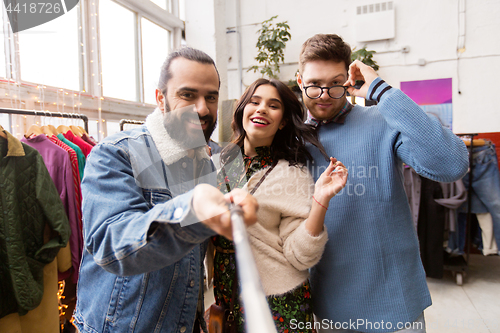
370,278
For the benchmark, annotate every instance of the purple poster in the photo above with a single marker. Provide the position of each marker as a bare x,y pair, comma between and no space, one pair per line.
433,96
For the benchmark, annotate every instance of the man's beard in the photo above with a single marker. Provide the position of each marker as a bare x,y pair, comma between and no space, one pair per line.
175,123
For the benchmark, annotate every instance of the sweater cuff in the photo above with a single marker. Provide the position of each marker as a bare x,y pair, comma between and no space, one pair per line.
310,246
377,89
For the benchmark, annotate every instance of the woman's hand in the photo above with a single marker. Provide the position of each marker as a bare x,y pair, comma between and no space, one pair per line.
331,182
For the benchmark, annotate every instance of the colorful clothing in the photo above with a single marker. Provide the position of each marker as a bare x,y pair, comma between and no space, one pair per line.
84,146
88,139
58,164
29,202
76,173
295,304
79,154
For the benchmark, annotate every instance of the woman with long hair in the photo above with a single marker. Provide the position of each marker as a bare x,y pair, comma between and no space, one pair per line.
289,237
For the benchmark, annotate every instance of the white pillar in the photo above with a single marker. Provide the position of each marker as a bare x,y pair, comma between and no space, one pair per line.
206,30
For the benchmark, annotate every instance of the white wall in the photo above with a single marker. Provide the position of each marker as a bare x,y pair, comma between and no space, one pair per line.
429,28
206,30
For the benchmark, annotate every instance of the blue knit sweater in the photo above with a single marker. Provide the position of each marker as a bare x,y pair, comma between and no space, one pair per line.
371,269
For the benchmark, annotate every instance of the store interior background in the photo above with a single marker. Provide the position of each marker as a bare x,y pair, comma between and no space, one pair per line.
103,57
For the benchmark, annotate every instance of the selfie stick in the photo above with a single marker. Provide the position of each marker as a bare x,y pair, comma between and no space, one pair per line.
258,317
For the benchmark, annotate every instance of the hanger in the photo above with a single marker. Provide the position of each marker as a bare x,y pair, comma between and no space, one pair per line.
46,130
83,130
63,129
33,130
76,130
2,134
53,129
476,143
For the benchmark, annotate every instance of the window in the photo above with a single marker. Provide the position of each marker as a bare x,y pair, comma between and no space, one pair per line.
164,4
48,53
155,49
182,10
118,51
93,130
3,71
5,122
112,127
65,66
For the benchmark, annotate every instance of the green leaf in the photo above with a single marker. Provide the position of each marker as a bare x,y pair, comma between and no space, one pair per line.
271,43
365,56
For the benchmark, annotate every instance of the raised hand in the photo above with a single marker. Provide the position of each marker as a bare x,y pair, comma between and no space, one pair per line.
211,207
331,182
360,71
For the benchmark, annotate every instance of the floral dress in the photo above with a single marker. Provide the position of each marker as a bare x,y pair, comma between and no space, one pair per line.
295,304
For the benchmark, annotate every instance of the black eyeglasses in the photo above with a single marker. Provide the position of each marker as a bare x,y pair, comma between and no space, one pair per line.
315,92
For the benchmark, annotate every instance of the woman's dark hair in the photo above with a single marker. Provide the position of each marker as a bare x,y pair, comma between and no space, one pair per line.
289,143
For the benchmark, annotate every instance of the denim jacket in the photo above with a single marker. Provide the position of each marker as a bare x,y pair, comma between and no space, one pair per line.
143,259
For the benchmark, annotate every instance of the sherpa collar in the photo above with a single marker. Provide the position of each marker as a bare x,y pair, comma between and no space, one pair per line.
170,150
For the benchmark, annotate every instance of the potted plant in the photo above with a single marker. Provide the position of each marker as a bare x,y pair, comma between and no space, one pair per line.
271,45
365,57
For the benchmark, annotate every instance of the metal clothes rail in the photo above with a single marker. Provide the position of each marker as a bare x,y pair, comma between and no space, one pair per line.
129,121
459,266
48,114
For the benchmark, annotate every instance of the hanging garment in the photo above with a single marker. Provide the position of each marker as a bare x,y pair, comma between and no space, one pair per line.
413,189
84,146
432,225
485,185
88,139
29,207
456,241
45,317
60,170
454,195
79,153
76,173
431,222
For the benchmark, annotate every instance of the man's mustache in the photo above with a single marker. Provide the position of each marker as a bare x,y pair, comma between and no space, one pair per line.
195,116
208,119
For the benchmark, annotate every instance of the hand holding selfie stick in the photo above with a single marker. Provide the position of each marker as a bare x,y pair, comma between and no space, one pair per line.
258,317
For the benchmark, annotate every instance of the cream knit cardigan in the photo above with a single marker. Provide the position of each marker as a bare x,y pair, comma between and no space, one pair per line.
282,247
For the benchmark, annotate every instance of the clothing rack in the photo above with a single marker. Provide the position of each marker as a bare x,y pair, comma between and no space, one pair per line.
48,114
460,266
128,121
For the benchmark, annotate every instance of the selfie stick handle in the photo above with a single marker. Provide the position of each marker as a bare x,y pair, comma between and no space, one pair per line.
258,317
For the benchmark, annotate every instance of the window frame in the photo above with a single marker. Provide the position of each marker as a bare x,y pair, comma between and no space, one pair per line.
154,13
90,96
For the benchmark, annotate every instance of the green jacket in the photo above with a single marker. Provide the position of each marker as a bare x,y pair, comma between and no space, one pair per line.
33,225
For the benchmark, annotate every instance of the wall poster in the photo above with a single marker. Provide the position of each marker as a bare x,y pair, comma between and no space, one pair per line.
433,96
